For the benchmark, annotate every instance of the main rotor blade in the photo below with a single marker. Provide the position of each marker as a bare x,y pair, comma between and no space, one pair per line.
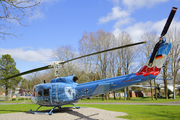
51,66
168,22
30,71
111,49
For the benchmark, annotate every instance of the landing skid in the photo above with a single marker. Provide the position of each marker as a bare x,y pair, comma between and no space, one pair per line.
50,113
76,106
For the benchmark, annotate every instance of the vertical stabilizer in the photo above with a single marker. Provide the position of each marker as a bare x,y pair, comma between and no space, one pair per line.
158,61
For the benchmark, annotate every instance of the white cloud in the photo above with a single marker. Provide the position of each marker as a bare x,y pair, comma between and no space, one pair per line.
122,21
28,55
136,4
122,17
116,13
138,29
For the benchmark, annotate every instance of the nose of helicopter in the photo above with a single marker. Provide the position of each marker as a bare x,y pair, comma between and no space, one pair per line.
33,99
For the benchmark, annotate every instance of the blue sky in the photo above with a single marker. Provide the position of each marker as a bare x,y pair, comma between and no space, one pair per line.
63,22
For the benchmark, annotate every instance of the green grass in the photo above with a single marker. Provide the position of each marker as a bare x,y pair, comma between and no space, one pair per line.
135,112
19,108
143,112
132,100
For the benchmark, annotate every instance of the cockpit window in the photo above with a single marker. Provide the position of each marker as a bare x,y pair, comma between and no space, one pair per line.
34,92
46,92
39,92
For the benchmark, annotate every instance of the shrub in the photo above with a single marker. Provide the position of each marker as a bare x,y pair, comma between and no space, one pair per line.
21,99
13,99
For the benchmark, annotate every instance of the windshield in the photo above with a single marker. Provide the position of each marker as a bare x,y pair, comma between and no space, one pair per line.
38,91
34,91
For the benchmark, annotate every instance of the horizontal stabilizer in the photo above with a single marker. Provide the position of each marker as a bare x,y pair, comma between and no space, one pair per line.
164,78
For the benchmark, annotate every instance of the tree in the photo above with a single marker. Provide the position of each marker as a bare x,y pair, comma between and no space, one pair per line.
173,36
64,53
85,47
94,42
127,56
165,68
149,36
7,69
13,11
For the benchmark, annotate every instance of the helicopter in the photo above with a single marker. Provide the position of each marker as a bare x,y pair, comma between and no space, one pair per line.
65,90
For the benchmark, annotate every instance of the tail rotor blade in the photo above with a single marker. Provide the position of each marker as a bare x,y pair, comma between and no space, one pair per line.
166,27
168,22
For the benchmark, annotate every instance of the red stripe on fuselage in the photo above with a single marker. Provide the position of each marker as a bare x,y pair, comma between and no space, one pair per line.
145,71
129,80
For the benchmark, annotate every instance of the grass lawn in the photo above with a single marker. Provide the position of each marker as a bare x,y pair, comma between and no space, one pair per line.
132,100
20,108
136,112
143,112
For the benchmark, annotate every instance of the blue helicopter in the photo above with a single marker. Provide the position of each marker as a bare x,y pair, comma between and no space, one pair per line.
65,90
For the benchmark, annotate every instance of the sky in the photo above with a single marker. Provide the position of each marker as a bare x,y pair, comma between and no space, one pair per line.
62,22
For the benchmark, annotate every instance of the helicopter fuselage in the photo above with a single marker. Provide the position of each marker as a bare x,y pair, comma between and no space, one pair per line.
60,93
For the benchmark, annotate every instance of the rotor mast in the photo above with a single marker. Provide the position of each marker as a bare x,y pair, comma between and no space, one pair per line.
55,65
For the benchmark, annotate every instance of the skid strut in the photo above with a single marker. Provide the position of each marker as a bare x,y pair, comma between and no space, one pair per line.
76,106
51,111
36,110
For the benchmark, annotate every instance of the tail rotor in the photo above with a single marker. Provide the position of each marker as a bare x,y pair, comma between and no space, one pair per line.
164,31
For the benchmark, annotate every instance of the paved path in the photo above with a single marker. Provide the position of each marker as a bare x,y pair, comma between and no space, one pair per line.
14,103
67,114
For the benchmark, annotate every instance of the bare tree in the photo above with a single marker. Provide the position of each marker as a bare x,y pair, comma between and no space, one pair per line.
85,47
165,76
151,37
93,42
113,58
14,11
173,36
126,55
64,53
103,43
